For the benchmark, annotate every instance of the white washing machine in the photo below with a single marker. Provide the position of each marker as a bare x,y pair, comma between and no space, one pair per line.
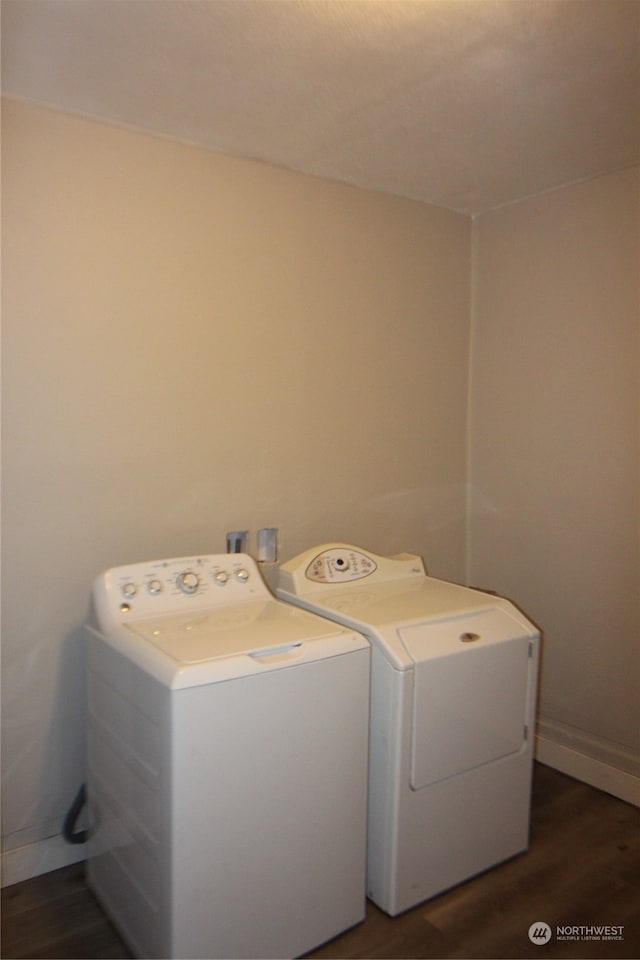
453,693
227,763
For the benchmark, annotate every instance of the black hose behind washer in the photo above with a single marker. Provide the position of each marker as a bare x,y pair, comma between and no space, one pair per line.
80,836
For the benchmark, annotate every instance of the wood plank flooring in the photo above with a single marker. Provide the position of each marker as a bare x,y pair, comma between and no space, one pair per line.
583,868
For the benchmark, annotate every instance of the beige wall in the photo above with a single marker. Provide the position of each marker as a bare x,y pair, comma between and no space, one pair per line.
195,344
555,448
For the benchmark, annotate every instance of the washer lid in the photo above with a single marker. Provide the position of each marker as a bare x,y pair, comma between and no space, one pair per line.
248,628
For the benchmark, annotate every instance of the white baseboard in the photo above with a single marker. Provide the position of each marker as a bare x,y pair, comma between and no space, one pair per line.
596,773
32,859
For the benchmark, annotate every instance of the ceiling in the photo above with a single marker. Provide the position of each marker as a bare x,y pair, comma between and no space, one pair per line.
467,104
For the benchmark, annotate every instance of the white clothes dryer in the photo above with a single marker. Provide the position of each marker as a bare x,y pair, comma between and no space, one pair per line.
227,763
453,695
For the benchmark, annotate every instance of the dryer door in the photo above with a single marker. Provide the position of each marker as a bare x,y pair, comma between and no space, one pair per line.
470,696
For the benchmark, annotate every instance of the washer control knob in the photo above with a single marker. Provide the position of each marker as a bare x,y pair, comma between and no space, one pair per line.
242,575
188,582
221,577
129,590
154,587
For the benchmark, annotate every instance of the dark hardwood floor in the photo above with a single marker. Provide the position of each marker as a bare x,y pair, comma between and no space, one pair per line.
582,869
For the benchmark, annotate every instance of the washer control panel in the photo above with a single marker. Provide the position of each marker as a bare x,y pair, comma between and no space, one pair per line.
176,585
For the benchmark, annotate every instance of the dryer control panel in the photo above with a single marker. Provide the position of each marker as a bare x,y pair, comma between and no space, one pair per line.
341,563
180,584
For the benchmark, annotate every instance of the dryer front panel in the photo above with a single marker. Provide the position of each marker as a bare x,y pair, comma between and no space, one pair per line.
470,694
